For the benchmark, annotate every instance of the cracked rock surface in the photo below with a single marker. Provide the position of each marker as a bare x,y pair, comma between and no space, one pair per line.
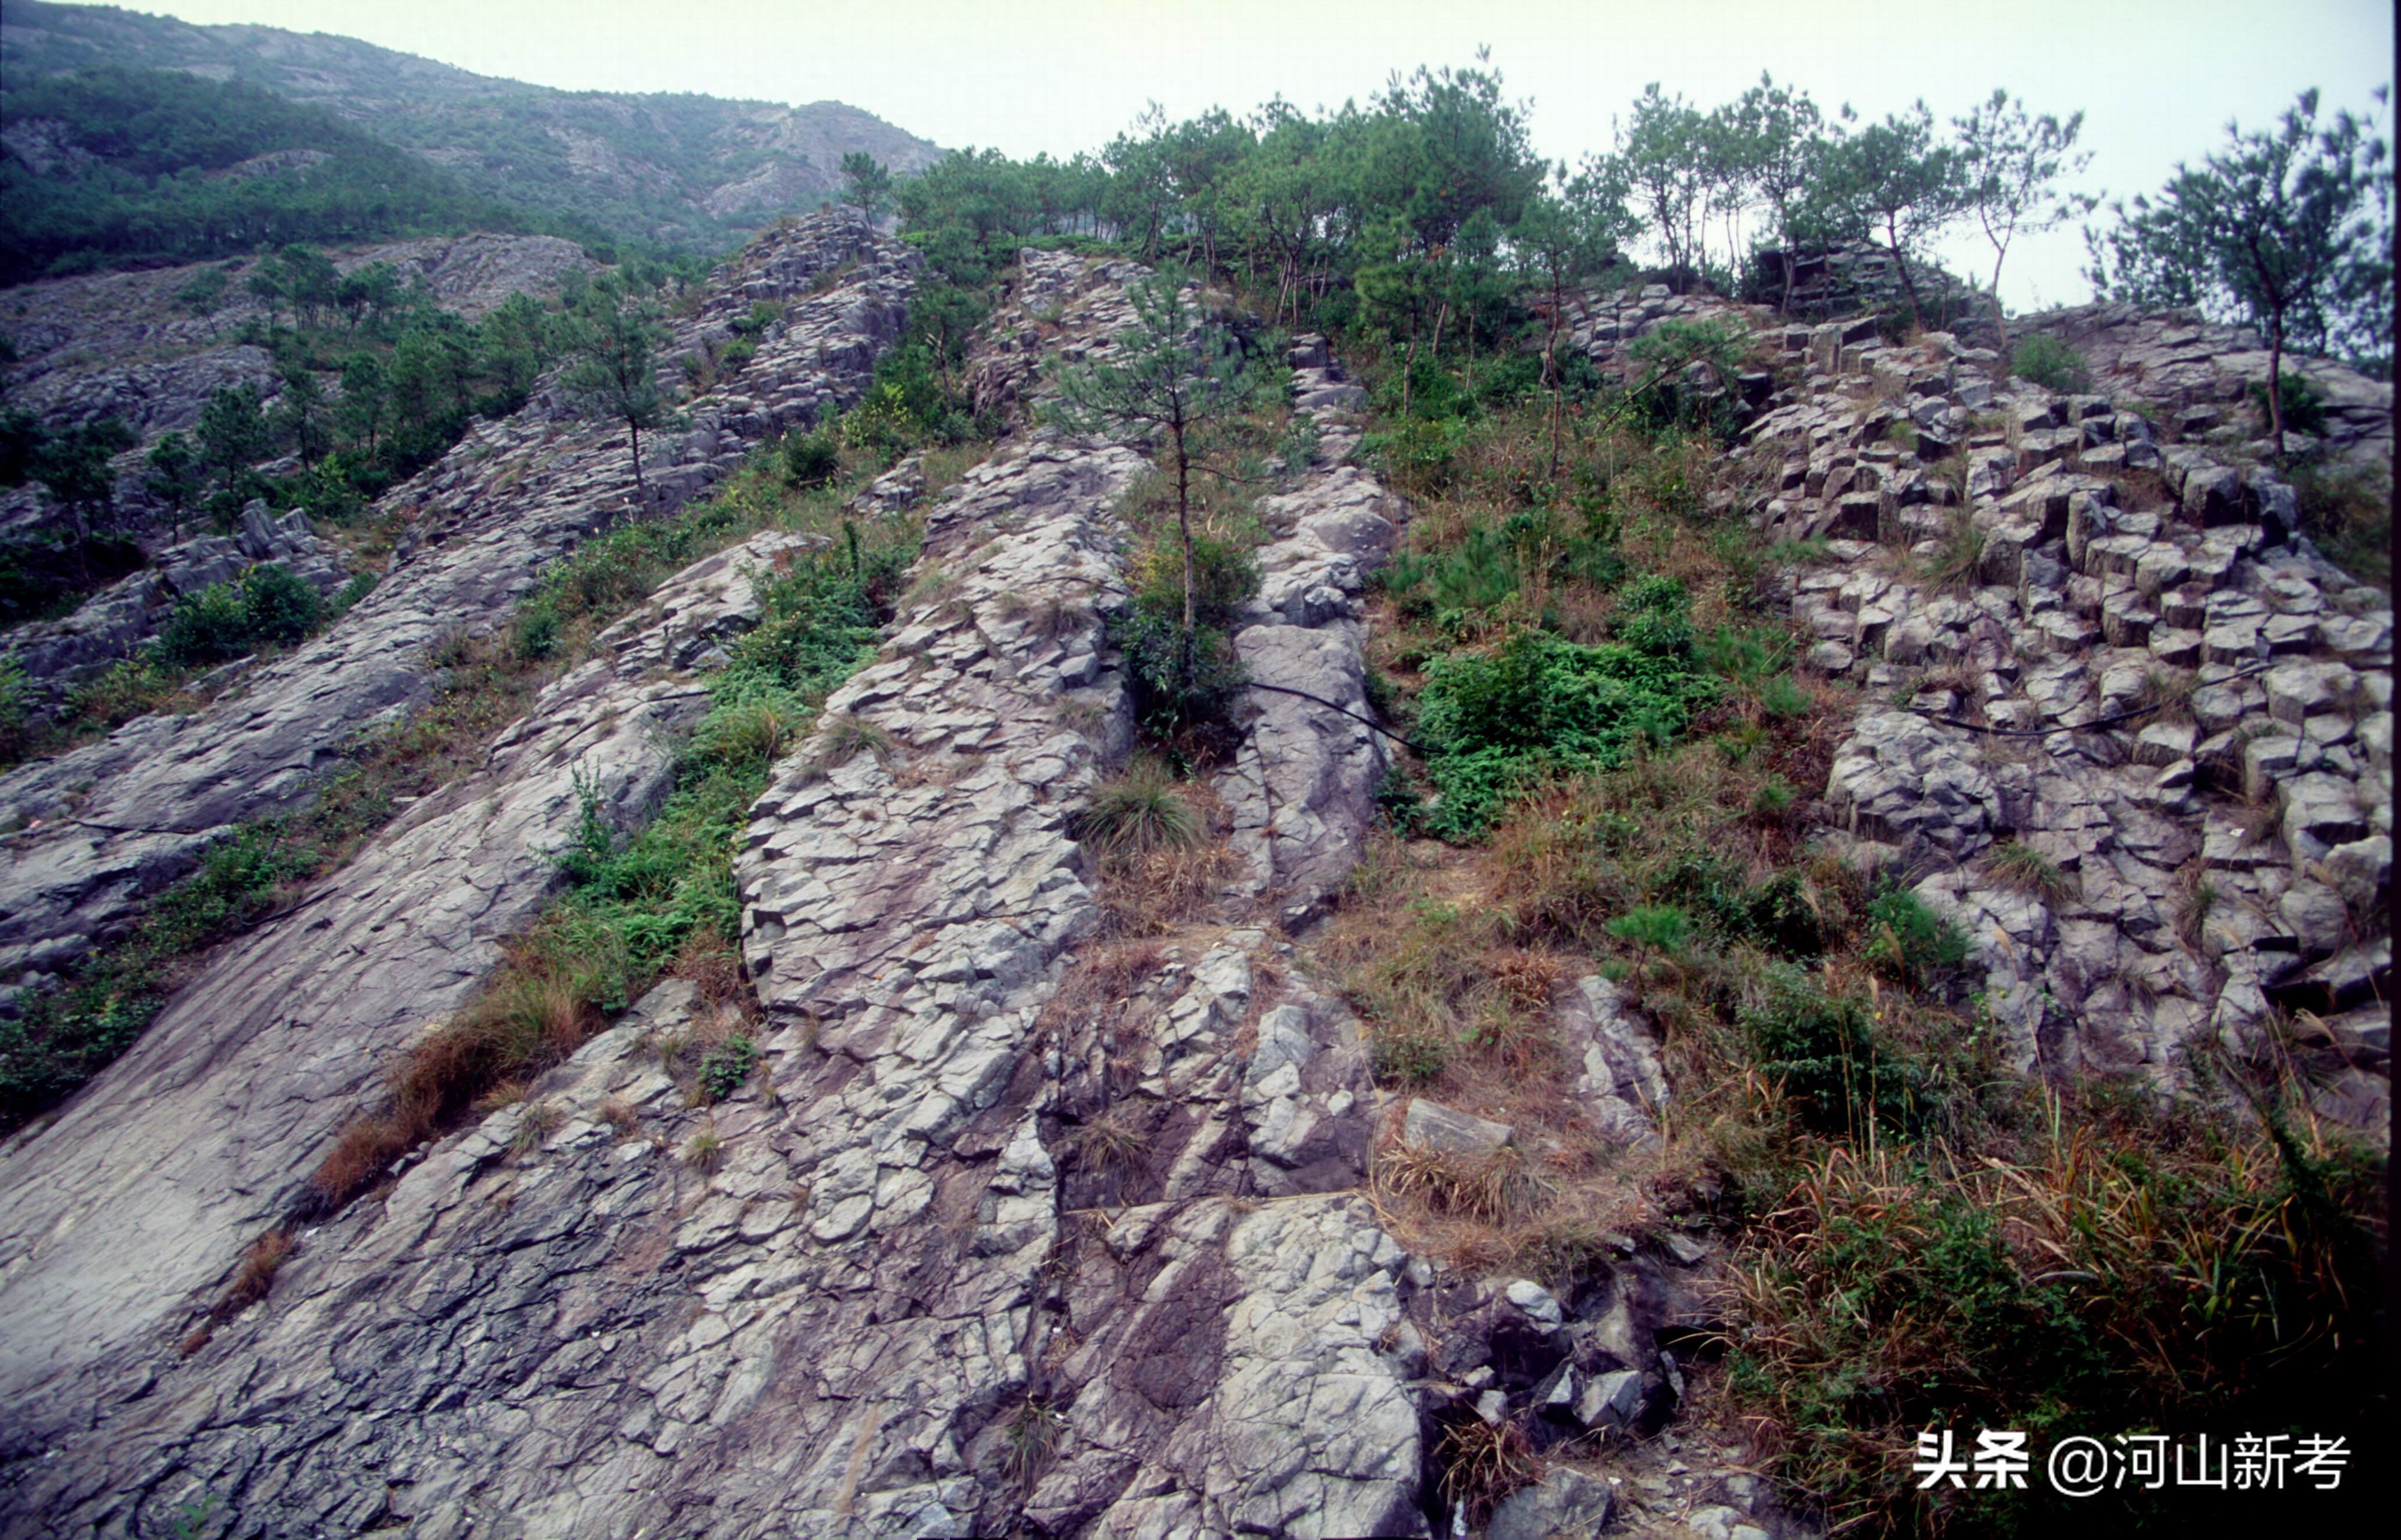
100,827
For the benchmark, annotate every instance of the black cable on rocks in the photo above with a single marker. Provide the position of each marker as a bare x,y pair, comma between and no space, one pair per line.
1288,690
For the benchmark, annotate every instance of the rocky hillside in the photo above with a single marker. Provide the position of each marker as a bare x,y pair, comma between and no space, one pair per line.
685,171
963,1204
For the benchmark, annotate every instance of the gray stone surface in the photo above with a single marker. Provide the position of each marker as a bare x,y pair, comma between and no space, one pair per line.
97,830
1430,1125
1565,1505
2099,597
913,1248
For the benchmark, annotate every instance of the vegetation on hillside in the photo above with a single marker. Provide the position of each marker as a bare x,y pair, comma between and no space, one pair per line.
627,173
158,166
1585,647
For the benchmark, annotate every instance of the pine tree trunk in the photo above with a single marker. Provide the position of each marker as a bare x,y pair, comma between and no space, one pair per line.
634,432
2276,381
1908,284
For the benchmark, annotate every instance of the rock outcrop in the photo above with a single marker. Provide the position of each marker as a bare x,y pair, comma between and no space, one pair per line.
1302,787
1012,1220
53,658
99,828
2129,729
2199,375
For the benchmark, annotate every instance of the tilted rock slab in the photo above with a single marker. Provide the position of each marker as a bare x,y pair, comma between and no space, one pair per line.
124,1214
104,827
1302,787
838,1314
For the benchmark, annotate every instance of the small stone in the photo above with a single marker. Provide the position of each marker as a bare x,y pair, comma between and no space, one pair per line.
1430,1125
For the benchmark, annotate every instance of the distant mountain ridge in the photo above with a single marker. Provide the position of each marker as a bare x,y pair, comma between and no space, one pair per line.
679,169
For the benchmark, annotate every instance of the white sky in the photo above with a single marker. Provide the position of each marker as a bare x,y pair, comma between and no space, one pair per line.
2156,79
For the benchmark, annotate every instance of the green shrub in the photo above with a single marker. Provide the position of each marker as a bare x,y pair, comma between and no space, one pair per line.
1824,1053
728,1068
1535,702
2303,400
227,620
2050,363
1181,681
1909,942
811,459
1656,927
1654,615
1224,572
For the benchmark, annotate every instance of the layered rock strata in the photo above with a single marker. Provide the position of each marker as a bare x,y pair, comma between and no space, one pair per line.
99,830
202,1135
869,1293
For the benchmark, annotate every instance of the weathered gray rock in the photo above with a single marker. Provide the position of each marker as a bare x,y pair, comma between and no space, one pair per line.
1430,1125
1565,1503
1616,1054
100,829
1901,779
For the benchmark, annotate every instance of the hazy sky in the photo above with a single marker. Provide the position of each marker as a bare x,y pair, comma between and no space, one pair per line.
2156,79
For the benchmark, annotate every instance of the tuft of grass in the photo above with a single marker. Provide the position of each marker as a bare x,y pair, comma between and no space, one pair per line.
1952,567
1029,1441
1481,1464
1111,1139
1137,811
2193,898
704,1151
253,1277
1494,1189
2014,863
536,1123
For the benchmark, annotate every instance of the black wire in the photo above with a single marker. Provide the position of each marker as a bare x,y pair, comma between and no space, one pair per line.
1288,690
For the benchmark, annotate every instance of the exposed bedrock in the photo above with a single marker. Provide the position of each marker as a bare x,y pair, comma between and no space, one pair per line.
136,1199
2124,725
1302,787
1005,1224
100,828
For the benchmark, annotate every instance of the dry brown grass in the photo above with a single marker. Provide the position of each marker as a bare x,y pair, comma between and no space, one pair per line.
535,1011
253,1278
1482,1464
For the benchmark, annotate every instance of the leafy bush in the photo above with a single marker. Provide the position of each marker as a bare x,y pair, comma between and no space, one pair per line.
1823,1052
2050,363
1909,942
1181,681
226,620
1224,572
811,459
1500,718
728,1066
1655,928
2303,399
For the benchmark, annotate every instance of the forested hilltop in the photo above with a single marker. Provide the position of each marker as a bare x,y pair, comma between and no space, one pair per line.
361,143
